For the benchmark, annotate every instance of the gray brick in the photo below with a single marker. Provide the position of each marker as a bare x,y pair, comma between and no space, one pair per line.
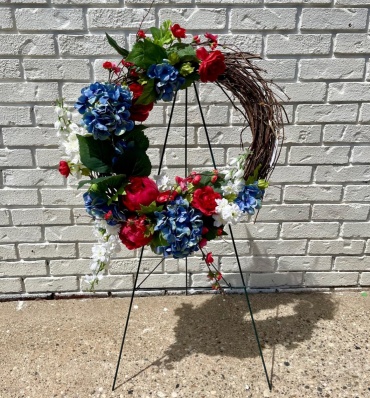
304,263
284,213
357,193
12,115
297,44
251,43
277,279
248,264
61,197
333,19
45,115
340,212
47,250
41,216
342,173
15,158
20,197
213,114
225,247
304,92
34,19
333,68
7,252
327,113
32,178
335,247
255,231
365,113
352,43
6,19
349,92
324,230
319,155
50,284
20,44
356,230
365,279
277,69
130,265
263,19
291,174
4,217
70,267
84,2
10,285
278,247
115,18
169,280
26,92
48,157
309,134
313,279
114,283
196,156
30,136
22,268
69,234
20,234
352,3
57,69
346,133
351,263
10,69
312,193
361,154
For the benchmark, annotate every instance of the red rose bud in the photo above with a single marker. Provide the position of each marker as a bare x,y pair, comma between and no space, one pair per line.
212,39
107,65
127,64
209,259
219,231
166,196
177,31
140,113
212,65
196,179
64,169
140,191
204,199
202,243
108,216
205,230
218,276
141,34
136,89
196,39
115,68
214,179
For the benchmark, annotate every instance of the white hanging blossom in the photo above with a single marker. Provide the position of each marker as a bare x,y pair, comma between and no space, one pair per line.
162,181
235,173
226,213
107,246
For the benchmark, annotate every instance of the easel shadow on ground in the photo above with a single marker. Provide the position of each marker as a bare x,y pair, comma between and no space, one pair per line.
221,326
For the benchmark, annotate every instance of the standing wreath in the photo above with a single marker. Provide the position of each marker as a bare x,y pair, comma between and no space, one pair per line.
110,148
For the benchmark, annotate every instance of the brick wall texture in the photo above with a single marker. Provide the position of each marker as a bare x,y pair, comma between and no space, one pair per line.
313,230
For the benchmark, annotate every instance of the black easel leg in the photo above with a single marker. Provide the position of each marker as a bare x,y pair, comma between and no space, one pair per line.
250,308
128,318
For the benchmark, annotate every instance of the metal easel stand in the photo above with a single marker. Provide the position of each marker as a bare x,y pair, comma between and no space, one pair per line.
138,287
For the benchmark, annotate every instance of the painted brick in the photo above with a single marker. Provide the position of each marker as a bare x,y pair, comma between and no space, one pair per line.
88,45
15,158
36,19
200,280
57,69
48,157
41,216
22,197
313,279
346,133
349,92
22,268
115,18
29,136
196,156
69,233
195,18
277,279
61,197
357,193
365,113
50,284
20,44
284,213
304,263
225,247
7,252
11,116
26,92
10,285
291,174
115,283
69,267
161,281
352,43
278,247
45,115
83,2
6,19
47,250
353,211
324,230
20,234
365,279
10,69
327,113
309,134
297,44
352,263
248,264
361,154
213,115
32,178
157,135
251,43
342,173
352,3
319,155
4,217
304,92
255,231
263,19
333,68
312,193
129,266
336,247
333,19
277,69
356,230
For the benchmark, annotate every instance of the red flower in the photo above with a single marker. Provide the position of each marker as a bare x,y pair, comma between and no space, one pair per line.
132,233
202,243
115,68
183,182
205,230
219,231
136,89
141,191
196,179
64,169
107,65
166,196
141,34
214,179
212,66
209,258
108,216
140,112
177,31
212,39
204,199
127,64
196,39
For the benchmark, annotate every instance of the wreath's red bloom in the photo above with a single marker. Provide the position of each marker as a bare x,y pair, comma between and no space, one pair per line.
140,191
132,233
204,199
141,34
64,169
136,89
107,65
177,31
212,65
166,196
196,39
209,258
140,112
212,40
202,243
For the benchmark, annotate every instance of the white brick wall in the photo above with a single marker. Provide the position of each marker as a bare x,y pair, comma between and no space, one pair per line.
313,230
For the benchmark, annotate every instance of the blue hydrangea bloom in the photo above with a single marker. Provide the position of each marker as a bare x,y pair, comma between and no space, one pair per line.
181,226
96,206
250,198
167,78
104,107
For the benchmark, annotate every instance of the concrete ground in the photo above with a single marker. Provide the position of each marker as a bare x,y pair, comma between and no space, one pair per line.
315,345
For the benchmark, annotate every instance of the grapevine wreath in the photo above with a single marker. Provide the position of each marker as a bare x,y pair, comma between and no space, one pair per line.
109,146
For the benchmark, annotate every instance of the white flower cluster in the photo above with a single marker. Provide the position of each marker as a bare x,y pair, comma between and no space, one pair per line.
108,244
162,181
226,213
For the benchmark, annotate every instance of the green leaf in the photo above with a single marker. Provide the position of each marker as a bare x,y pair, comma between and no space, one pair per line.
187,54
114,44
137,136
150,209
189,80
156,33
119,192
149,95
133,162
145,53
96,155
251,179
109,181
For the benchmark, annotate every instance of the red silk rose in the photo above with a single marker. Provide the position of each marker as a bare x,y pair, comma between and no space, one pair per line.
166,196
177,31
141,34
209,258
132,233
107,65
136,89
204,199
140,112
140,191
64,169
212,65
